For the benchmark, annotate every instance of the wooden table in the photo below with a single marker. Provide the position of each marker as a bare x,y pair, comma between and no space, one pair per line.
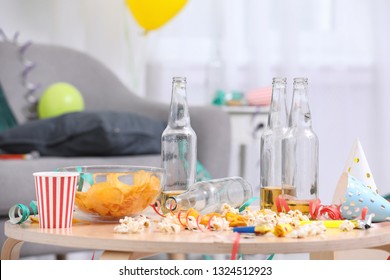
134,246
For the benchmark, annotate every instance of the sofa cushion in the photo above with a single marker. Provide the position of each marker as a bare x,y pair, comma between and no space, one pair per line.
86,134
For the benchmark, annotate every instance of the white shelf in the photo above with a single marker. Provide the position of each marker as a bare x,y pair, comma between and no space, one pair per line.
247,125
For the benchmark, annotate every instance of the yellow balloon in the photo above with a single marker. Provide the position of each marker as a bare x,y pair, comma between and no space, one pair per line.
152,14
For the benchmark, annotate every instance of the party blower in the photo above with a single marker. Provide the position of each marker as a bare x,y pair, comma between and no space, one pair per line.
358,224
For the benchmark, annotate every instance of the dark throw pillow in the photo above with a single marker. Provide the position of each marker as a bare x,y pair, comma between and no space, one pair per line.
86,134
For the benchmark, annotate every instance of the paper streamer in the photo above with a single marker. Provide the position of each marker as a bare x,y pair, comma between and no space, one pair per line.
19,213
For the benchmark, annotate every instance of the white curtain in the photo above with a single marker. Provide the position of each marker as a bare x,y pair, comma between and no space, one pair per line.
341,46
102,28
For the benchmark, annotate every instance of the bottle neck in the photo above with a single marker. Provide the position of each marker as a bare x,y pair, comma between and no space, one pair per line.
300,111
171,203
278,111
179,114
183,201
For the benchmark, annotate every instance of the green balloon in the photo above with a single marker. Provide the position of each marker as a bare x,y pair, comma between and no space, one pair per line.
58,99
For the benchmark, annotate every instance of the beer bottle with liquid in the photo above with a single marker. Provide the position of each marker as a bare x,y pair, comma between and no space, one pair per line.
178,145
300,153
271,146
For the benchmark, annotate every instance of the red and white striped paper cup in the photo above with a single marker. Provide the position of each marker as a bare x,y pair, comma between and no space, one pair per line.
55,193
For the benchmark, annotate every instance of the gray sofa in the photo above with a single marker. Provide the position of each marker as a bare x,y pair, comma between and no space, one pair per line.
101,90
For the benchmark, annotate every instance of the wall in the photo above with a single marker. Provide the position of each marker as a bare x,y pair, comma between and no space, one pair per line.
341,46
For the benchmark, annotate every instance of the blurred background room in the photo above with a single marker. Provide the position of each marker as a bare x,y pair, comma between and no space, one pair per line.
235,46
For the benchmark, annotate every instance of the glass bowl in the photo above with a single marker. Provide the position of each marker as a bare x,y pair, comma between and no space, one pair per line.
107,193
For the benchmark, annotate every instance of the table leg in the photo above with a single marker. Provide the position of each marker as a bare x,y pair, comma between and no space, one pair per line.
11,249
329,255
116,255
332,255
177,256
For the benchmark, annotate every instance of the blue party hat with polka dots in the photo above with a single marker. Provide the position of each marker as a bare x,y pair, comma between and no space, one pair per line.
359,196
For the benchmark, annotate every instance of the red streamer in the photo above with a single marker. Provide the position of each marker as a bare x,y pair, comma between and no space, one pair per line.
317,210
188,213
236,244
198,225
281,203
178,217
157,207
278,206
364,212
313,208
209,222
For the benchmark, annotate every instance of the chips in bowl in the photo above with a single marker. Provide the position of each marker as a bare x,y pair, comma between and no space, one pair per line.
108,193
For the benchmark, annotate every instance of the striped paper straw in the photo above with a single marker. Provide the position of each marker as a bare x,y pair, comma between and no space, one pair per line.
55,192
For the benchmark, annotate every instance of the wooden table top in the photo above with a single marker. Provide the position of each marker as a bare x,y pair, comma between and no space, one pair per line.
102,237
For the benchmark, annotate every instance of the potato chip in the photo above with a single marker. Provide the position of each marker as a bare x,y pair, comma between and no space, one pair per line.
206,218
34,219
235,220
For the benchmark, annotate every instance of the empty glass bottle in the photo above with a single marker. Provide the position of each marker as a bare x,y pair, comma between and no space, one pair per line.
209,196
271,146
178,145
300,153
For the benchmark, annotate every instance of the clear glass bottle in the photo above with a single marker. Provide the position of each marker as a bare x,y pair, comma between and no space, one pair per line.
178,145
271,146
209,196
300,153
